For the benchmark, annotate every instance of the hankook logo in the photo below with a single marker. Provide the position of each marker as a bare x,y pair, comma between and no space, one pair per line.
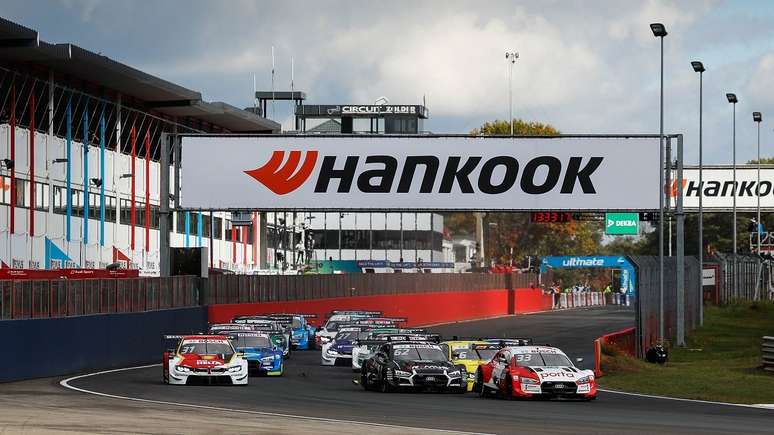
381,174
287,178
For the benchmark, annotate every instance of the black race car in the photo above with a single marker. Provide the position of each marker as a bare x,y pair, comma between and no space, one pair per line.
412,365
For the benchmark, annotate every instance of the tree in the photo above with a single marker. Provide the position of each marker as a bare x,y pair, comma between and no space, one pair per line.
520,127
764,161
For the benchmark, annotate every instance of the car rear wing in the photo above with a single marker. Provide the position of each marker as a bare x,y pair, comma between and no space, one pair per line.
357,312
507,342
400,338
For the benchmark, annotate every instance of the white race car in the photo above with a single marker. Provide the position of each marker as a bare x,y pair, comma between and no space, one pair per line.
203,359
534,371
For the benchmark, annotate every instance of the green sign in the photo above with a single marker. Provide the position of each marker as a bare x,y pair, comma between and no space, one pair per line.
622,223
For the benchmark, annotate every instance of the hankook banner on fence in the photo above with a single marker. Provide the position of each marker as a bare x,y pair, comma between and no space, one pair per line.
418,173
719,189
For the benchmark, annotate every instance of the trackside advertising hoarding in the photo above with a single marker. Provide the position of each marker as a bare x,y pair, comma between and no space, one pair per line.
419,173
718,186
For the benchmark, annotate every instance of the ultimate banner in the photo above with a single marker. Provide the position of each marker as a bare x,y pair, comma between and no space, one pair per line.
419,173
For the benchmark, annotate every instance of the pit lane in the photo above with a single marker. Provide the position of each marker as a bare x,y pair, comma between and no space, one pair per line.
308,389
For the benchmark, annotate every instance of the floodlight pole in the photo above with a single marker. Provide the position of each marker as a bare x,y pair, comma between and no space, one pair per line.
701,196
680,246
164,213
661,205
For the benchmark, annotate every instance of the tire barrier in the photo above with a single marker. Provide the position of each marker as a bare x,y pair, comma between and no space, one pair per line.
579,300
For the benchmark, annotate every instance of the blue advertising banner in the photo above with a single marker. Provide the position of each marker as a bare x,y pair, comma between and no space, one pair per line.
628,277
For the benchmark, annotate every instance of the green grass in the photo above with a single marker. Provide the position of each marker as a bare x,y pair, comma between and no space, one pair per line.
721,361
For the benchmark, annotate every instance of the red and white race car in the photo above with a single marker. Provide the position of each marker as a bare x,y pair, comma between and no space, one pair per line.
206,359
534,371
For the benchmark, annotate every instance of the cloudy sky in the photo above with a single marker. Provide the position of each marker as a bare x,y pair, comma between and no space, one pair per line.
584,66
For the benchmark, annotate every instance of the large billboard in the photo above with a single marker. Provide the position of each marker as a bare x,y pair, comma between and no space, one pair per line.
419,173
718,182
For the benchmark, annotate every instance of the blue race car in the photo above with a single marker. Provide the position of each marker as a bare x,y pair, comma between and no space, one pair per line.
262,356
302,332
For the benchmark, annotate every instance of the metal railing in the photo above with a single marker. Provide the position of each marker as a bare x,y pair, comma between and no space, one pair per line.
767,353
32,299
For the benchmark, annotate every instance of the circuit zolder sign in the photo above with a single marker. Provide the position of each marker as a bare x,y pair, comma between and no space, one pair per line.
419,173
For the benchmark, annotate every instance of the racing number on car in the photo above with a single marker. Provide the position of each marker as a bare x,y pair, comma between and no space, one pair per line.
523,357
401,352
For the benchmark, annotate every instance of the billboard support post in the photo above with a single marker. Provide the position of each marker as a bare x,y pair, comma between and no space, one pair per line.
680,216
164,207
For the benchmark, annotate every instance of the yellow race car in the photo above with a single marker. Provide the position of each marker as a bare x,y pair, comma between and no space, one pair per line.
470,353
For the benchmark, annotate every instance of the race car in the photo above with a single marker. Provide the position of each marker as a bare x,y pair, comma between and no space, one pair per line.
280,336
412,365
302,332
262,356
204,359
338,352
365,348
534,371
218,328
331,326
472,353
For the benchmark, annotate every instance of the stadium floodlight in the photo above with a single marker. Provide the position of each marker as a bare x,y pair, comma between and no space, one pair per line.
697,66
757,117
8,163
659,31
96,182
732,98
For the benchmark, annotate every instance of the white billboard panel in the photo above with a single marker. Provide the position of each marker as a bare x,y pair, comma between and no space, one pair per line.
719,192
419,173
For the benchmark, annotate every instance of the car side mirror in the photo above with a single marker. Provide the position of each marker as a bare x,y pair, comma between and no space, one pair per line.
578,360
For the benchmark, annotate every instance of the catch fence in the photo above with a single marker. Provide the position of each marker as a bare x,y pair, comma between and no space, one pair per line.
750,271
50,298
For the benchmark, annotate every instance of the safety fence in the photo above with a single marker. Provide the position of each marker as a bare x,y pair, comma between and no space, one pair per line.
624,341
236,289
576,300
767,353
738,279
51,298
647,313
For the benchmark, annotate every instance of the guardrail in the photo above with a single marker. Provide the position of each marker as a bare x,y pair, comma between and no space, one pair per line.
51,298
767,353
624,340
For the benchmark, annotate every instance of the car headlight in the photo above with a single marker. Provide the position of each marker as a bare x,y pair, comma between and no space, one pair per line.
529,381
268,358
183,369
585,380
332,351
324,339
454,373
402,374
235,369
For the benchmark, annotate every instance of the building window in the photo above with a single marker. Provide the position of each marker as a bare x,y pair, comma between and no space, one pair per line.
218,227
126,212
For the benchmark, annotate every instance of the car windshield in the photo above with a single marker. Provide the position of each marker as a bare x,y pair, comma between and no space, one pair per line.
347,335
486,354
297,324
542,359
423,353
250,341
332,326
207,348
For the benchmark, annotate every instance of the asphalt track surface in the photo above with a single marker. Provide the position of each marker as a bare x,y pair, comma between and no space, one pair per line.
309,389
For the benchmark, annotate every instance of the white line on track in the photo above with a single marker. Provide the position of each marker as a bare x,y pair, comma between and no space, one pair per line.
66,383
706,402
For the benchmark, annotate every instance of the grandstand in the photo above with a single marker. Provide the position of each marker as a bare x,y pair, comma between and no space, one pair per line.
79,160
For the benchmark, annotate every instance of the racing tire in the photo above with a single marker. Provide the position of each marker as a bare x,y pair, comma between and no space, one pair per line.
364,380
385,386
479,387
508,393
